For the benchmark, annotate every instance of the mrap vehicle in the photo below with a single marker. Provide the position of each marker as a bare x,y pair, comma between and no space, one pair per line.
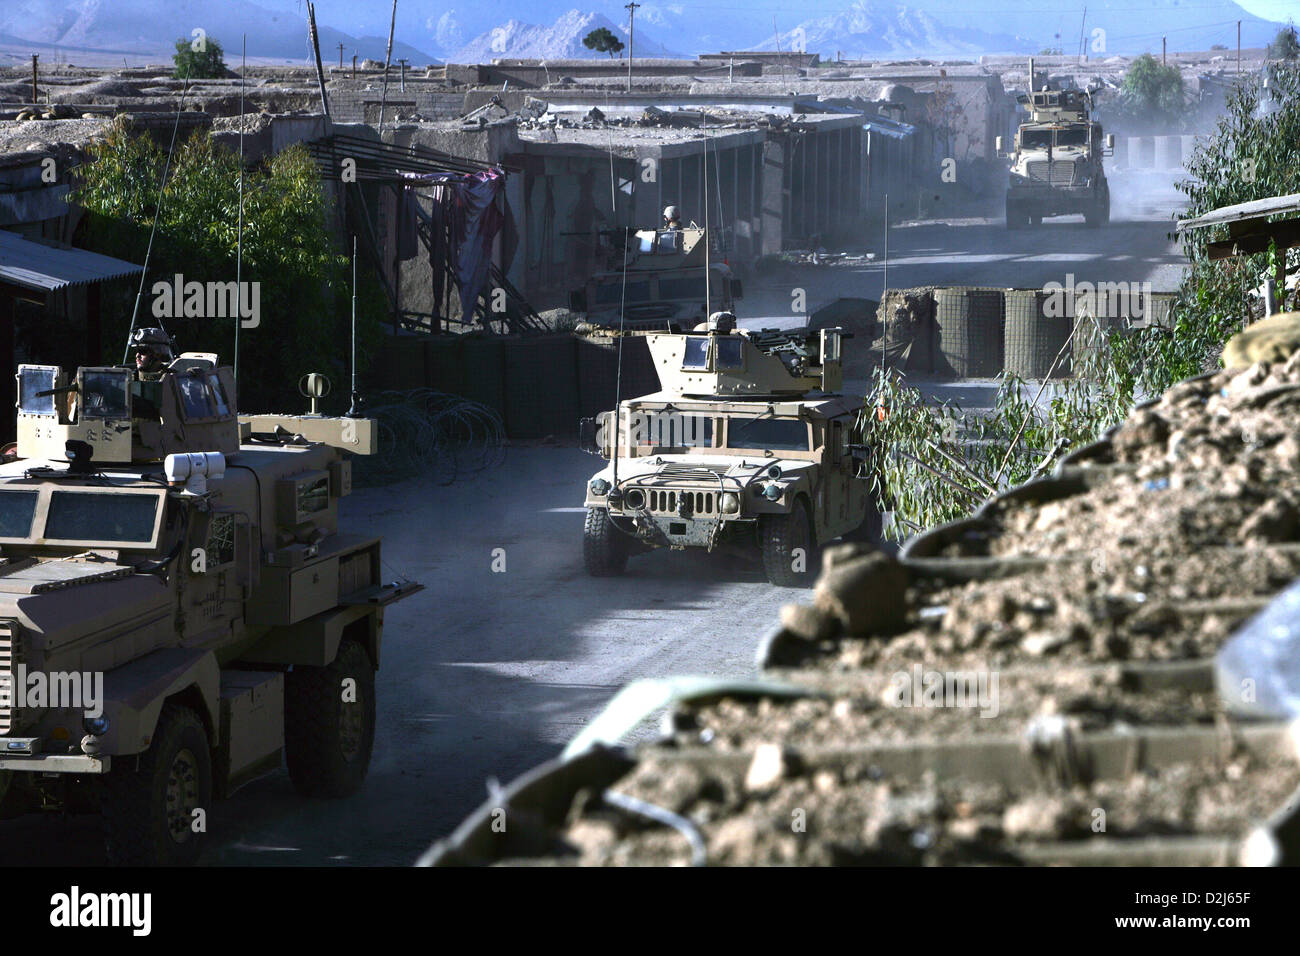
179,609
748,447
1056,163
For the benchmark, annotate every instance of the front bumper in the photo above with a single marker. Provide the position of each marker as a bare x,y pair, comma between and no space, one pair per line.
57,763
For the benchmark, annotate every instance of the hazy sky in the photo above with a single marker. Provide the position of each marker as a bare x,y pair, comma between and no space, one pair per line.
1280,10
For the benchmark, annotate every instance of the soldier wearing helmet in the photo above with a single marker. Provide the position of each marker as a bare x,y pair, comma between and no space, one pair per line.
153,353
672,217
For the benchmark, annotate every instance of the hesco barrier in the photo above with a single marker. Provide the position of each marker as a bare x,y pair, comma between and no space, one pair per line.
541,385
1121,737
970,324
1033,338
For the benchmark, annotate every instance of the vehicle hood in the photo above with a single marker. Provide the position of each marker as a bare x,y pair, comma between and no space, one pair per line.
702,468
57,600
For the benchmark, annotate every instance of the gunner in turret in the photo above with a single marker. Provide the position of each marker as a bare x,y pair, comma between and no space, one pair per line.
672,217
153,353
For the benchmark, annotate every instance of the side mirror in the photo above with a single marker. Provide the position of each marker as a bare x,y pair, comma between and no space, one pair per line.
1110,140
997,145
737,290
578,301
596,436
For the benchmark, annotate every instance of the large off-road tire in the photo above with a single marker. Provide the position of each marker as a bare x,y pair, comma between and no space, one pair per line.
780,537
329,731
1099,214
148,810
604,547
1016,217
872,526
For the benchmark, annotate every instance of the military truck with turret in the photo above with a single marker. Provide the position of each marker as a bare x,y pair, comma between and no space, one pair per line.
1056,161
749,447
660,284
180,609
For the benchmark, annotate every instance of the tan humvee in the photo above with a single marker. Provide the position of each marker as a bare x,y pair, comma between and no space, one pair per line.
749,446
177,573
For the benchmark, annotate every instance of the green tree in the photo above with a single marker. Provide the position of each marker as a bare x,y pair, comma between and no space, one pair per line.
1153,93
1285,46
205,63
304,283
602,40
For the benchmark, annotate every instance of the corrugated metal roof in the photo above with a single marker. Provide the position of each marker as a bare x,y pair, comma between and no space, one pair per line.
1256,209
34,265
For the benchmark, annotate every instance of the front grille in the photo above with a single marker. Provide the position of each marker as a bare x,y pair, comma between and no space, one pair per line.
10,656
1059,172
668,501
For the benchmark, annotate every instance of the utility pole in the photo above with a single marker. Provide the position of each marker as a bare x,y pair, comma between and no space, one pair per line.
35,57
631,36
1163,62
1238,46
354,66
340,57
314,37
403,62
388,60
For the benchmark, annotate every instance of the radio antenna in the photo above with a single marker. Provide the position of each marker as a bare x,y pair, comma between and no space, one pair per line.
157,214
353,411
239,230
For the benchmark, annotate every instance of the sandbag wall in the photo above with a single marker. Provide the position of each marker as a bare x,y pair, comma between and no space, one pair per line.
541,385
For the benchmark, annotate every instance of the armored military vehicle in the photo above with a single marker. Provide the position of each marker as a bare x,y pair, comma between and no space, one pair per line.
179,608
661,283
1056,164
748,447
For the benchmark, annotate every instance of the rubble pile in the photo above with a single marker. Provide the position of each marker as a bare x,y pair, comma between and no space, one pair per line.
1032,684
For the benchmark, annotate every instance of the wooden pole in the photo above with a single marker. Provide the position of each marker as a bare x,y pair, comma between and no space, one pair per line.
320,69
388,59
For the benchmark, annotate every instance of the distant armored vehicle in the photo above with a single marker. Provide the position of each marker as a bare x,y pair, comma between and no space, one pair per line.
1056,166
748,446
179,609
663,285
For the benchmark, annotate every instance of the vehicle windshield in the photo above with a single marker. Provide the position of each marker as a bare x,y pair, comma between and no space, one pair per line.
1035,138
17,508
1071,137
610,294
99,516
769,434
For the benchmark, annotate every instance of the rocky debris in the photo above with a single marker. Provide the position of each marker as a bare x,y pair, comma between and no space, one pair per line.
864,590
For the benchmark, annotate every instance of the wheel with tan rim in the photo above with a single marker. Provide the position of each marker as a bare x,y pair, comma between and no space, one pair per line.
149,809
329,723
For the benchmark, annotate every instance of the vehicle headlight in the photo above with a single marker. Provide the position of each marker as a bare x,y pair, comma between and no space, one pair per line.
95,726
775,471
636,498
599,487
772,491
730,503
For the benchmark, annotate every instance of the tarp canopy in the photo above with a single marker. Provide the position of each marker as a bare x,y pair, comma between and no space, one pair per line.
48,268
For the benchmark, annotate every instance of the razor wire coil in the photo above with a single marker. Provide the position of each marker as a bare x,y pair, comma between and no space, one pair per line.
426,432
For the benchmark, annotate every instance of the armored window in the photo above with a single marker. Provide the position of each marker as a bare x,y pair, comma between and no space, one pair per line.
218,390
1035,138
1071,137
105,394
33,379
17,508
92,516
221,540
727,354
770,434
681,288
314,495
669,241
697,352
195,398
